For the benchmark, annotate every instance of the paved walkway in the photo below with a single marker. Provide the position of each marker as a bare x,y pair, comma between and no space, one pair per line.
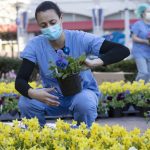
128,122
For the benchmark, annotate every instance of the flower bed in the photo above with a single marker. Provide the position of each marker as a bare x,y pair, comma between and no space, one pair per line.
116,95
65,137
9,100
121,95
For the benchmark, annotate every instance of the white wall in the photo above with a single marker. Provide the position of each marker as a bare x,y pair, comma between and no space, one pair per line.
82,7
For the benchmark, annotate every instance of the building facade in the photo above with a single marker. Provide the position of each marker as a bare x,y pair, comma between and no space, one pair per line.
16,30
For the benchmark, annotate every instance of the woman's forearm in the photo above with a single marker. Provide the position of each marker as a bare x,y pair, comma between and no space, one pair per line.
140,40
24,73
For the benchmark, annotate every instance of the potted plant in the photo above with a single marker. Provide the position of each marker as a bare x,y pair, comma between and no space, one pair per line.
142,99
116,104
67,71
103,109
143,105
147,116
9,108
129,101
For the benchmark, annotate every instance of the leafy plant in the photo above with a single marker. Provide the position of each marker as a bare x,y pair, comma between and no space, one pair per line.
141,103
116,104
103,108
66,65
133,98
138,99
147,116
116,101
9,105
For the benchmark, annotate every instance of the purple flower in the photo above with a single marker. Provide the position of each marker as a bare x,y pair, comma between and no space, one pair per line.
60,53
127,92
142,96
109,98
104,101
121,96
62,63
148,101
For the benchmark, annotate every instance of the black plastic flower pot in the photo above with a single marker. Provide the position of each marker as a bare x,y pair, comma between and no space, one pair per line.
115,112
71,85
126,107
142,110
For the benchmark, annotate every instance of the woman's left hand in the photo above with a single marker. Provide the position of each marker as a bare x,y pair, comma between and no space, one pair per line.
93,63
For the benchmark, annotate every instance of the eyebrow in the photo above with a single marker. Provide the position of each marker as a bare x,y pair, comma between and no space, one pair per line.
48,21
42,23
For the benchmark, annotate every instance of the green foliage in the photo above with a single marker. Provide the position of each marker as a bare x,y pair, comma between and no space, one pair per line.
125,66
103,107
7,64
133,98
9,105
147,116
75,65
138,99
114,103
143,103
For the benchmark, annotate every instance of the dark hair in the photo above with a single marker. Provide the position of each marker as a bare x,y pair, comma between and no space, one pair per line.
46,5
142,14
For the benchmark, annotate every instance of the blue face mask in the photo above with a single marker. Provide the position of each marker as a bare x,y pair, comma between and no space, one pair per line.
52,33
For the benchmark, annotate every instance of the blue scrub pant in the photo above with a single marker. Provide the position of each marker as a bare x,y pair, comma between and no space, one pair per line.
143,66
83,107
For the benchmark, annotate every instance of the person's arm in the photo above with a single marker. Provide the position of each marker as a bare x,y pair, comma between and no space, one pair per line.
24,73
109,53
136,30
135,38
22,86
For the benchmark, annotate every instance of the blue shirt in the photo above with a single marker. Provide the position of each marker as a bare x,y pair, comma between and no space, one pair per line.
39,51
141,30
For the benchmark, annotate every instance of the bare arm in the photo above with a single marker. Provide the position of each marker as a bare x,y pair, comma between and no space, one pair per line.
135,38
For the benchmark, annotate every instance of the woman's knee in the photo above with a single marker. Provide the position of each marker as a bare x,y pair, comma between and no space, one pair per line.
23,103
85,100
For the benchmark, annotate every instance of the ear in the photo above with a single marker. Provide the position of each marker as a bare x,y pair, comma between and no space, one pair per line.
143,14
61,17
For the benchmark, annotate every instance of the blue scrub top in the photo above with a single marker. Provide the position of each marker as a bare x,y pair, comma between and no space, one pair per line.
39,51
141,30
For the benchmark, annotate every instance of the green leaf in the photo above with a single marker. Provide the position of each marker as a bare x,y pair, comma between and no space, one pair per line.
74,66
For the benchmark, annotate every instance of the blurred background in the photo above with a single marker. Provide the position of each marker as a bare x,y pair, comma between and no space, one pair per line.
111,19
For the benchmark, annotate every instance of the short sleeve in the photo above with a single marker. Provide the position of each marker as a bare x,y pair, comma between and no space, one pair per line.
91,43
29,51
135,29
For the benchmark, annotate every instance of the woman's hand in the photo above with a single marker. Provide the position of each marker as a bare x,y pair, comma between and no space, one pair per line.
44,96
147,42
93,63
140,40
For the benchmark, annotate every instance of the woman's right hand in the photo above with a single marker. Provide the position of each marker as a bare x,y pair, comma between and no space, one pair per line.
44,96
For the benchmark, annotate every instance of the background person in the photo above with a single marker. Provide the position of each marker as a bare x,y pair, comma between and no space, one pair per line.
141,42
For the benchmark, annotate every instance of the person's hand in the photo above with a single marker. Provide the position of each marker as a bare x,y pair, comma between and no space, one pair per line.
93,63
147,42
44,96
